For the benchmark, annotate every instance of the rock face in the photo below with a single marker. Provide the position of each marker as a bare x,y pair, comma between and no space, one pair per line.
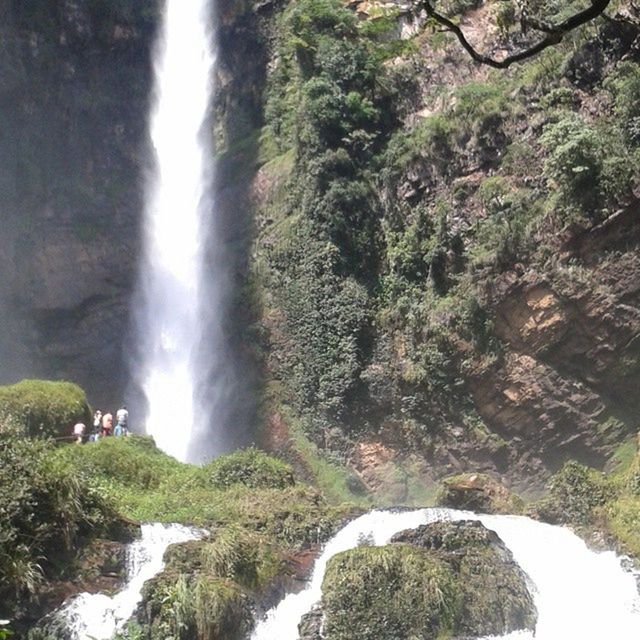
441,580
74,98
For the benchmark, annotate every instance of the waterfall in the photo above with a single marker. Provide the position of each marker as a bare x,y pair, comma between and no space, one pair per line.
98,616
579,594
175,355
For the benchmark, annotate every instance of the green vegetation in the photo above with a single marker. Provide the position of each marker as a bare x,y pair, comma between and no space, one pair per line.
590,500
251,468
61,499
147,485
44,408
377,593
49,509
401,204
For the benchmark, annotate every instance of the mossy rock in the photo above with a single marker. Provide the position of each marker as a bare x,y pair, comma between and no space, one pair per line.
478,492
43,407
194,607
386,593
573,495
494,598
446,579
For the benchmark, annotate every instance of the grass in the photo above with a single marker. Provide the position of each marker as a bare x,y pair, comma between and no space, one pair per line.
145,484
333,481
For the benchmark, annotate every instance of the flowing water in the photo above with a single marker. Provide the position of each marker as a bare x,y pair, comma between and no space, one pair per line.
175,357
579,594
98,616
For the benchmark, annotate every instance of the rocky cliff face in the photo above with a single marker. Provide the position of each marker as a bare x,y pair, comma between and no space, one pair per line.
497,326
428,289
74,98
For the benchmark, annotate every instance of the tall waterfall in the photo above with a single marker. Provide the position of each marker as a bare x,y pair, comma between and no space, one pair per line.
175,359
579,594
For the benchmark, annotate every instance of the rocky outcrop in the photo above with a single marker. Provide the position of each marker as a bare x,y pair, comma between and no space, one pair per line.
478,492
495,598
456,578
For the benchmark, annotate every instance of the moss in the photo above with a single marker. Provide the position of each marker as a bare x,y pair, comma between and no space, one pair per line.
494,598
43,407
386,593
573,495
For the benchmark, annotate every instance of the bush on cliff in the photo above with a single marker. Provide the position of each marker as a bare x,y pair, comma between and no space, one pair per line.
573,494
43,407
251,468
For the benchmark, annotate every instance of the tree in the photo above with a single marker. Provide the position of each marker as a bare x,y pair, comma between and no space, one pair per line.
547,35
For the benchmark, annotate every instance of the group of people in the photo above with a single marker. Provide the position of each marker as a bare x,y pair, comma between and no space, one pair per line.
103,426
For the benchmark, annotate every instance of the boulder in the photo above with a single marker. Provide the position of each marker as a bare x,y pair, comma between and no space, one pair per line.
478,492
445,579
495,598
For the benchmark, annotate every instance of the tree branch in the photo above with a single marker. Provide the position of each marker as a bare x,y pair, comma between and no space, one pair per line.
554,33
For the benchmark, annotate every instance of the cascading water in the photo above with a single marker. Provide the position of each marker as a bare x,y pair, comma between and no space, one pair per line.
175,360
99,617
579,594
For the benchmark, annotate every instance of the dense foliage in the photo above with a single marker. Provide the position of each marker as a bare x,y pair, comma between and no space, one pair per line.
388,592
44,408
399,199
48,509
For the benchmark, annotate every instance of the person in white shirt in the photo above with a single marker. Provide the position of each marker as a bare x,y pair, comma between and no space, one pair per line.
122,418
78,431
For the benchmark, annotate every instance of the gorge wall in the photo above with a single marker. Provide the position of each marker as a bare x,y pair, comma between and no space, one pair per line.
436,265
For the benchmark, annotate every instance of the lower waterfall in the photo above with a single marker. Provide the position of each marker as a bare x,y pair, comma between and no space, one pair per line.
579,594
98,616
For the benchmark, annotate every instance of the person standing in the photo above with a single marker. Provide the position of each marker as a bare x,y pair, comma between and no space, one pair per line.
78,432
122,418
107,425
97,425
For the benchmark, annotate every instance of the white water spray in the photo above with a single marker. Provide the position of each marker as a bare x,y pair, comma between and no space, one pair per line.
579,594
99,617
175,366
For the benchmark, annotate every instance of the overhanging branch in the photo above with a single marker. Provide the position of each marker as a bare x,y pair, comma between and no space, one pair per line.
554,33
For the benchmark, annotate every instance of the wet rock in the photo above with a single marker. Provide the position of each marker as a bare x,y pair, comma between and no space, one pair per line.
310,627
478,492
495,598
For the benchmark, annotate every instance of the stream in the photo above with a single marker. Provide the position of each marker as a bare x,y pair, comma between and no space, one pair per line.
579,594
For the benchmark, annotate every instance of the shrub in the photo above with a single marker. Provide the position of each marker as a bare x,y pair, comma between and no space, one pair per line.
589,166
250,467
45,408
574,492
47,507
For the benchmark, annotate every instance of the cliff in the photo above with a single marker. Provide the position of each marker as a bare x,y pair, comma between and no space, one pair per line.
435,264
447,254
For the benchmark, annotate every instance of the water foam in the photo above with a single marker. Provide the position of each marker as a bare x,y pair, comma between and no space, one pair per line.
98,616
